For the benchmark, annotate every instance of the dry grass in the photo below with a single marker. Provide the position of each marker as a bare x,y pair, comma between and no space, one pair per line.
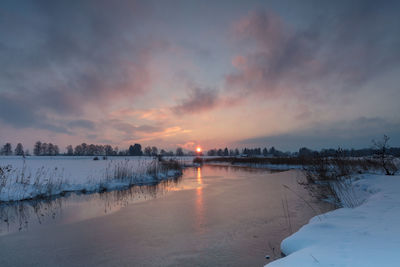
260,160
21,184
331,178
198,160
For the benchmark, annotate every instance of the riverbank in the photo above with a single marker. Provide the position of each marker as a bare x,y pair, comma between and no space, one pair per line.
44,177
368,235
272,167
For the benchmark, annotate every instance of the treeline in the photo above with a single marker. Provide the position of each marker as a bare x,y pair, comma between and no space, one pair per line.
107,150
133,150
7,150
45,149
49,149
247,152
40,149
304,152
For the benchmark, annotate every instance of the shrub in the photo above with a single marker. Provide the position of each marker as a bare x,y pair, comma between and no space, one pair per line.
198,160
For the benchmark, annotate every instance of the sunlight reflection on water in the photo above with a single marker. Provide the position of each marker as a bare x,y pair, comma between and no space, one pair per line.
199,203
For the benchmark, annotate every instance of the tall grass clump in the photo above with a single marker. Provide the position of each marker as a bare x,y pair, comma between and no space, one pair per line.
23,183
138,172
331,177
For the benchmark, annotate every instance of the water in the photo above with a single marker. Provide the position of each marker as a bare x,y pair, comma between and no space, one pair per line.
212,216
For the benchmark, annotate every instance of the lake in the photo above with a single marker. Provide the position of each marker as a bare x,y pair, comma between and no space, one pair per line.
211,216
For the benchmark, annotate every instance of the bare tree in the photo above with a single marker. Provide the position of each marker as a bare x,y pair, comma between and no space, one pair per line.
135,150
70,150
37,150
108,150
44,150
7,149
50,149
147,151
56,150
154,151
386,161
19,150
179,152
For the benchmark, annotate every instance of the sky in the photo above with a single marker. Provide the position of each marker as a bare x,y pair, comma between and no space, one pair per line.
210,73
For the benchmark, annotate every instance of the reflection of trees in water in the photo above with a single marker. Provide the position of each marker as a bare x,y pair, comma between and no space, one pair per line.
121,198
244,168
17,216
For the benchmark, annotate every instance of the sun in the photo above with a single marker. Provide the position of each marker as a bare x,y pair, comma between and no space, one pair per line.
198,149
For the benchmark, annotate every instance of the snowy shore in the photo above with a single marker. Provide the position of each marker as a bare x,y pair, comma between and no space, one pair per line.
38,177
275,167
368,235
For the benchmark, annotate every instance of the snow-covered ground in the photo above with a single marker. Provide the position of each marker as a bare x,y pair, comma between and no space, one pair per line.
44,176
368,235
277,167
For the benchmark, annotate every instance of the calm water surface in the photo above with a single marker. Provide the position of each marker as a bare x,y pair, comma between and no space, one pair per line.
212,216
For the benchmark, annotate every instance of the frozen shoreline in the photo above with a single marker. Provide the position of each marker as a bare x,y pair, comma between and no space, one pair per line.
43,177
351,236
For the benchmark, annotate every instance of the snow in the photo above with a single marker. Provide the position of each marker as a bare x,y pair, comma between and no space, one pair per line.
276,167
368,235
46,176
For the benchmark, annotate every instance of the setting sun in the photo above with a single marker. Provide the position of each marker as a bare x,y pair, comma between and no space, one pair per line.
198,149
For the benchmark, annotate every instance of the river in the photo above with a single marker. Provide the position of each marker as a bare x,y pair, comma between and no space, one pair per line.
211,216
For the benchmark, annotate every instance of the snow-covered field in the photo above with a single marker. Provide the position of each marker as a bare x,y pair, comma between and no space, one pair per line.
44,176
368,235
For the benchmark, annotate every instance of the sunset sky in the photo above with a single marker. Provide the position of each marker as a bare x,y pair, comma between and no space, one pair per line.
212,73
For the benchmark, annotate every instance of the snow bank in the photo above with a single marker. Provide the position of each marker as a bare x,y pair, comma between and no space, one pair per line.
368,235
35,177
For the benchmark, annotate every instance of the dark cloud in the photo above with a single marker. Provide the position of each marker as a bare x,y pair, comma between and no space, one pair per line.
130,129
62,56
86,124
148,129
93,137
17,111
340,46
21,113
199,99
356,133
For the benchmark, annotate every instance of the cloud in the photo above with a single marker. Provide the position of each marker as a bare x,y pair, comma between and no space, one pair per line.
129,128
148,129
155,114
157,136
79,55
94,137
86,124
199,100
339,47
279,55
356,133
21,113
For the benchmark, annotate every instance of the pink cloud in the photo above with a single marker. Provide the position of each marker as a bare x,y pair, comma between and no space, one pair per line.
275,60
